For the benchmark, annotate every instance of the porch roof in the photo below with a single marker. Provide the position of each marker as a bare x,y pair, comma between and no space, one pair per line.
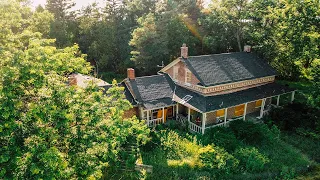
152,91
212,103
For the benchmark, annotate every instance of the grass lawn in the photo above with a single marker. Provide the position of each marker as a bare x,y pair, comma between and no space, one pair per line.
162,169
308,146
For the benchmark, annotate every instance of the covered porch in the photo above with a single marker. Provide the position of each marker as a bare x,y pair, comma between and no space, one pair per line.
199,121
157,116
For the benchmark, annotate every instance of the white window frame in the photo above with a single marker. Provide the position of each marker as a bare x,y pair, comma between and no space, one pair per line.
175,72
186,77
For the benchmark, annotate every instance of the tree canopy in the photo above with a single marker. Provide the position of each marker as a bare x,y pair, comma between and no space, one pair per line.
142,33
49,129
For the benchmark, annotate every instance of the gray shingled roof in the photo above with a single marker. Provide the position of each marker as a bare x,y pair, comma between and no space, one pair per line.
152,91
211,103
228,67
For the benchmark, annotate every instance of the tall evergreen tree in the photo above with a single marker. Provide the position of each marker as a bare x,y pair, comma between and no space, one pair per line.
63,28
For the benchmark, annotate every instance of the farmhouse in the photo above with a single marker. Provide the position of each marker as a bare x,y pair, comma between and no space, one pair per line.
206,91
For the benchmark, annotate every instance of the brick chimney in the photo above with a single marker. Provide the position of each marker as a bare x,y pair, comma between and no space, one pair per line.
184,51
130,73
247,48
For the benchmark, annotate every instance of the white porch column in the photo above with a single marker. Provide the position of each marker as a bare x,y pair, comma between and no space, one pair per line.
188,114
262,107
292,96
204,119
245,111
278,100
225,116
177,111
163,115
148,117
141,113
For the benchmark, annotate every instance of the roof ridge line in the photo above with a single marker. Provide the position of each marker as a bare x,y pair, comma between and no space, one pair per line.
149,76
214,54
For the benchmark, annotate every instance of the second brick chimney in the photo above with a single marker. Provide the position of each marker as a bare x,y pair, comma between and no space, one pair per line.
130,73
184,51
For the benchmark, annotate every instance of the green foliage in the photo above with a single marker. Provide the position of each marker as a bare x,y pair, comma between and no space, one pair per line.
222,137
178,155
217,158
307,133
104,35
286,173
251,159
48,129
288,35
165,32
308,146
156,50
176,146
19,23
224,22
63,27
110,76
252,133
314,99
295,115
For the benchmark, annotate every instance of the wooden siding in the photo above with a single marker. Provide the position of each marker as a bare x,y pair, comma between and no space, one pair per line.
211,118
251,107
230,112
131,112
181,73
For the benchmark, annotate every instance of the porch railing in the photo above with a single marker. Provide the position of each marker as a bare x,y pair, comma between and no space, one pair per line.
222,124
195,128
154,122
216,125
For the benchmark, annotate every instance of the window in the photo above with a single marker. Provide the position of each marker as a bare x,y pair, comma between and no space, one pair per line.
239,110
258,103
220,113
188,76
175,72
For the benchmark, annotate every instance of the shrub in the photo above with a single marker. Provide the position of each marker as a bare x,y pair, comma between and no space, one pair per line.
217,158
221,136
178,147
251,133
169,143
308,133
286,173
295,115
153,143
251,159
